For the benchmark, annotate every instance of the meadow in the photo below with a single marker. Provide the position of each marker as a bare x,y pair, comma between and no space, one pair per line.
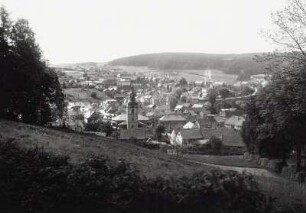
190,75
78,147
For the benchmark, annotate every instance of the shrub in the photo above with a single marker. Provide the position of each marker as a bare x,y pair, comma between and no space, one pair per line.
215,144
94,95
35,181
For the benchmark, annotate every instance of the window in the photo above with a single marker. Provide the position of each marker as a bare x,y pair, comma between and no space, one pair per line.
132,126
132,111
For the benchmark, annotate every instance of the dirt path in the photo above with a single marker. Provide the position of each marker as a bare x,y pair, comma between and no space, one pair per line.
253,171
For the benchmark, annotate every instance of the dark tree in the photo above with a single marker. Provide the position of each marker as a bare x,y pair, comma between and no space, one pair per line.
173,103
183,82
212,97
94,95
29,90
247,91
160,129
183,99
224,93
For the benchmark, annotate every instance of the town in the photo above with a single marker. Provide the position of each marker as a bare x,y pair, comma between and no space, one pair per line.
169,108
153,106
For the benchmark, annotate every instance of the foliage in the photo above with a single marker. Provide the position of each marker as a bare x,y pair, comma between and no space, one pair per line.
224,93
29,90
183,82
95,123
173,103
35,181
247,91
277,115
94,95
215,144
212,97
160,129
183,99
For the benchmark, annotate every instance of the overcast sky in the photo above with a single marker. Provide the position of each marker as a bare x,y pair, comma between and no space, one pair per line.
101,30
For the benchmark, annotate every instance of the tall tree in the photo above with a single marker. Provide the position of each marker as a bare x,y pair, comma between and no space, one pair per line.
279,115
30,89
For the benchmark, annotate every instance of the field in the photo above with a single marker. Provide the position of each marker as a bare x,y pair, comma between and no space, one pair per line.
190,75
74,73
84,94
78,147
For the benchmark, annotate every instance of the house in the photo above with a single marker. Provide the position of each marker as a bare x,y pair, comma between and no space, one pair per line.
229,137
123,117
178,108
234,122
197,107
119,97
218,121
172,121
189,136
205,122
192,125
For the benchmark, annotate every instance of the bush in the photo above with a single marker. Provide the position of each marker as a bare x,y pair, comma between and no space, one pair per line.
94,95
215,144
35,181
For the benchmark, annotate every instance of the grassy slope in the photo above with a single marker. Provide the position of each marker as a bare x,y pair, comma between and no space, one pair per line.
78,147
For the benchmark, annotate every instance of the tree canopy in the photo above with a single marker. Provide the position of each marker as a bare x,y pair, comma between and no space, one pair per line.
276,120
29,90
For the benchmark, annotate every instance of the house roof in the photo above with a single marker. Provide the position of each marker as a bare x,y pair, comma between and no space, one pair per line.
230,136
172,117
191,134
235,120
187,105
191,125
197,106
219,119
123,117
178,107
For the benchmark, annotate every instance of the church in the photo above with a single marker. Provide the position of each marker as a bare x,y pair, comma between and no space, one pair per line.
135,129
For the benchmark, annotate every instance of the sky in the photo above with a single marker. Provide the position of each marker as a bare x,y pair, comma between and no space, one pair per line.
71,31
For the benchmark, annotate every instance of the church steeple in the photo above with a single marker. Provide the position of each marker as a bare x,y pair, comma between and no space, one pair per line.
132,112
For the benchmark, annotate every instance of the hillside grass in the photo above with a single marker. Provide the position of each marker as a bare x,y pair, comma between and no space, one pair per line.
150,163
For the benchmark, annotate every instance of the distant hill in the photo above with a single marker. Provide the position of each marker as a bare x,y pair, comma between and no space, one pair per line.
241,64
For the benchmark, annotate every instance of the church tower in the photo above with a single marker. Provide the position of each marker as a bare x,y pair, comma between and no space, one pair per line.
132,112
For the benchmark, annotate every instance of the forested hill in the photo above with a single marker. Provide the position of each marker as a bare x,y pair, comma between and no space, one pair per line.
229,63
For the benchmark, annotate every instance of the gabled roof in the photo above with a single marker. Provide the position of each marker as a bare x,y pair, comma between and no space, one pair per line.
197,106
235,120
191,134
172,117
186,105
123,117
230,136
219,119
191,125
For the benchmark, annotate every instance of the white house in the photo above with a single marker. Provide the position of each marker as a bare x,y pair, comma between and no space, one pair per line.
234,122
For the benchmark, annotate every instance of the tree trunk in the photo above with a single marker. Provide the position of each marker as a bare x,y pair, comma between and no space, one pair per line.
298,158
